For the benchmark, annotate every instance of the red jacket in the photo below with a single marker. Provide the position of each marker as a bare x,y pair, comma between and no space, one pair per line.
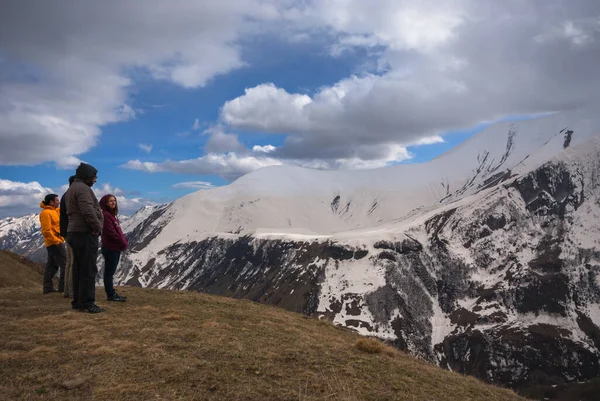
112,235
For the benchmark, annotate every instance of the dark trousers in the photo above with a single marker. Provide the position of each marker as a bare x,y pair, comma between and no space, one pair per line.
111,260
57,259
85,254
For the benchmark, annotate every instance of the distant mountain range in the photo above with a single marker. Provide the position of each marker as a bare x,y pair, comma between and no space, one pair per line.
485,260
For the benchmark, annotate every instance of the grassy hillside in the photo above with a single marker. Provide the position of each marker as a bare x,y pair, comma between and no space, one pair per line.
16,270
171,345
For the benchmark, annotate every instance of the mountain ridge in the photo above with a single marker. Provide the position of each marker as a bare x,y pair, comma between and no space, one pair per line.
175,345
480,267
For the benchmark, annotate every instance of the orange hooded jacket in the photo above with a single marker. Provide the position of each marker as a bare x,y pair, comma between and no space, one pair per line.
49,219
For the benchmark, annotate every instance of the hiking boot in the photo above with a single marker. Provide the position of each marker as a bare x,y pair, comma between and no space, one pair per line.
92,309
49,290
117,298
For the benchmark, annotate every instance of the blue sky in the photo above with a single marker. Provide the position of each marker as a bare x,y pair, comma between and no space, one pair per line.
166,99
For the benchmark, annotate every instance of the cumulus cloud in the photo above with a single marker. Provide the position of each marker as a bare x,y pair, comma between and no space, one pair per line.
397,24
442,66
63,64
19,198
439,66
127,201
145,147
229,166
68,162
429,140
13,193
232,165
195,185
263,149
267,108
221,142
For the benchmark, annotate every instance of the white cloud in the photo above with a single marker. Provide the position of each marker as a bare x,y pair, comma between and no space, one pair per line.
14,193
195,185
129,206
395,154
232,165
429,140
20,198
106,188
266,107
220,142
442,66
434,67
68,162
128,203
145,147
229,166
263,149
397,24
64,64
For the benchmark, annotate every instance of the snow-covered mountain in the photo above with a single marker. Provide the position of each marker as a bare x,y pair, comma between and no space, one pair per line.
485,260
23,236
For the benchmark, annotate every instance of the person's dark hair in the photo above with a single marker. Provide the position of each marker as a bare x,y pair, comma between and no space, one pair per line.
71,179
49,198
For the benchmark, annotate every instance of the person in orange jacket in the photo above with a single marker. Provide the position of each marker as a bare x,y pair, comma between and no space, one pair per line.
54,242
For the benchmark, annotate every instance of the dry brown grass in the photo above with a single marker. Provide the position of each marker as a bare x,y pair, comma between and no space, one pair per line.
171,345
373,346
16,271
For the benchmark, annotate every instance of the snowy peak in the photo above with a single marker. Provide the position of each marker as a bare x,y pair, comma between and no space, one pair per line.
480,260
294,200
22,235
19,225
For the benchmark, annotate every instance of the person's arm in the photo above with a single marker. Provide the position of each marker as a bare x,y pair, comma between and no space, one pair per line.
47,231
87,207
123,240
110,230
64,220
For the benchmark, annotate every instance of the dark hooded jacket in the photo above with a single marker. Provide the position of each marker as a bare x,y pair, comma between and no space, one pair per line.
83,212
64,217
112,236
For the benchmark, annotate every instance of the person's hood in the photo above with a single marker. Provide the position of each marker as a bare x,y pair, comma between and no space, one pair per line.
44,206
86,172
104,202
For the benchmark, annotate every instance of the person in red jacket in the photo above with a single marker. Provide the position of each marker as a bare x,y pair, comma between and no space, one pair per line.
113,243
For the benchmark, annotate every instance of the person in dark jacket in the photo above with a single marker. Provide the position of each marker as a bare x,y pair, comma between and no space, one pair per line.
84,227
113,243
64,220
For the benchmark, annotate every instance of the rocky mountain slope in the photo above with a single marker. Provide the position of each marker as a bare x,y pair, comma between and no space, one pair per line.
485,260
170,345
23,236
